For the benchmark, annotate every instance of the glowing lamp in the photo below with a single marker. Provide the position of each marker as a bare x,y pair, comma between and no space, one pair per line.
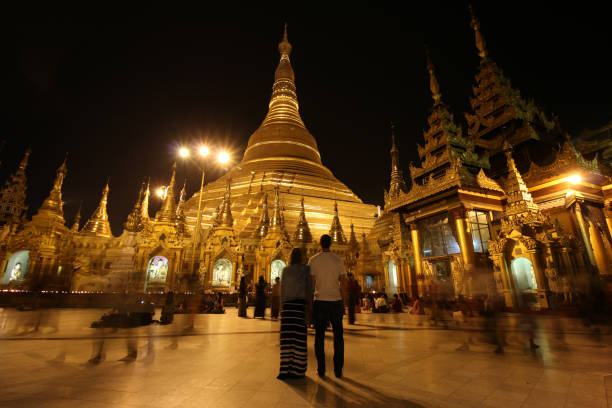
184,152
160,192
204,151
574,179
223,157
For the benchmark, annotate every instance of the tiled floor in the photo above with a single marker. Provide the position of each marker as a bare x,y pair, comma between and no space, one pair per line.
391,361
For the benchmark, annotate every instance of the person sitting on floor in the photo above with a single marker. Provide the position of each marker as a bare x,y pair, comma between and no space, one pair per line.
417,307
218,304
380,304
396,304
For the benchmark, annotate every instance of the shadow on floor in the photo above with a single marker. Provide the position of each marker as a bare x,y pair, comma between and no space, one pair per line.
345,393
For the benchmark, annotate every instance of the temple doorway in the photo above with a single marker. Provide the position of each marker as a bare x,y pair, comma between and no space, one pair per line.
525,282
276,269
17,267
157,272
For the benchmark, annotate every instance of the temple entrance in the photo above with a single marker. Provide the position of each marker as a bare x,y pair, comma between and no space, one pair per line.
17,267
276,269
392,278
157,272
222,272
525,282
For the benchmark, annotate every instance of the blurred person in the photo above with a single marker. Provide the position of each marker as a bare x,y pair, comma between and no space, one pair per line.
396,304
380,304
218,304
328,274
260,298
295,295
167,313
275,299
353,291
242,298
491,323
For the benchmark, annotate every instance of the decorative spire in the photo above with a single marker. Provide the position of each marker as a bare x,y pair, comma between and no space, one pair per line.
54,204
98,222
77,219
397,178
168,210
13,195
215,216
434,87
134,219
284,106
180,212
264,220
352,238
480,42
519,199
225,215
302,231
336,232
145,202
276,223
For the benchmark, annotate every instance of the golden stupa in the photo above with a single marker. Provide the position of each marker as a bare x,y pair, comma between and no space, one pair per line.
282,153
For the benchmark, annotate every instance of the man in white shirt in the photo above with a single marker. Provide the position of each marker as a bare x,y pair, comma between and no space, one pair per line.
328,274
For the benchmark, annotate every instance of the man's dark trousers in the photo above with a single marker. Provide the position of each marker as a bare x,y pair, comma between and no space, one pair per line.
331,312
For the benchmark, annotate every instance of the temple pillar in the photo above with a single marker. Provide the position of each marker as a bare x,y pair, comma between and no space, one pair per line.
602,258
464,235
584,234
418,260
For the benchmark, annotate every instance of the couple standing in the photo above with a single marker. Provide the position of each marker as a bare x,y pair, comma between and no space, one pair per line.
325,272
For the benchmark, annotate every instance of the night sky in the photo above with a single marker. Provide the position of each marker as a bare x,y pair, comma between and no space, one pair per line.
120,94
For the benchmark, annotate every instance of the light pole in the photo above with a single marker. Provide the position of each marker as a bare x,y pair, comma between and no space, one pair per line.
204,152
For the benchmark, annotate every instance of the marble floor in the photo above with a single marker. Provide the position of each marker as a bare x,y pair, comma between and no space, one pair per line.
394,360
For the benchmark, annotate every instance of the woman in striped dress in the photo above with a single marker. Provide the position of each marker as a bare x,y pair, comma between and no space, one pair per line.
295,293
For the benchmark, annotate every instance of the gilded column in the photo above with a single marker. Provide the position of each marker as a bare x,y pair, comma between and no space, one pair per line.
466,245
418,259
599,251
540,278
584,234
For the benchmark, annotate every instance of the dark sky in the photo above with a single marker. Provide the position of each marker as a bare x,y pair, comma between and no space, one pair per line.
121,93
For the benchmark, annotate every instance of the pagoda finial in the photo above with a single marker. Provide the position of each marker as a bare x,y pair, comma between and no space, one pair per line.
276,223
168,211
134,220
434,86
144,207
397,178
77,219
53,203
225,214
98,222
284,106
336,232
302,231
264,219
352,238
480,42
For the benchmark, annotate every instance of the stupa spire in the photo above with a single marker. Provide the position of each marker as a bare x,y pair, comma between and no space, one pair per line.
225,215
168,211
284,106
264,219
53,203
98,222
302,231
434,86
519,199
77,219
336,232
276,223
134,219
144,207
480,41
352,238
397,178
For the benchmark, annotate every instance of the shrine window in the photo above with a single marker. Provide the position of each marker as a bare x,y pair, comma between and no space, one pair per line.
480,230
438,239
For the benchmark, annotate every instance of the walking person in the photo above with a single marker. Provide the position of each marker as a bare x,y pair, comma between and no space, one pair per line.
354,293
328,274
275,299
242,298
295,295
260,298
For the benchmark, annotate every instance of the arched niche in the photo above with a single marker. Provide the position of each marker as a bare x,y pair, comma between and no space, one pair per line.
157,271
17,267
276,269
222,272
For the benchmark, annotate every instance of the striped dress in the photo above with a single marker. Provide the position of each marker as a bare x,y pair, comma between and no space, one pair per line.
293,350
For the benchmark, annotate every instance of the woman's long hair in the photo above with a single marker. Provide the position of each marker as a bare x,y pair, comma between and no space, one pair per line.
297,257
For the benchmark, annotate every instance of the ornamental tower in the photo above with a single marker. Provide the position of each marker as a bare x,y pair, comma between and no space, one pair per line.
13,195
